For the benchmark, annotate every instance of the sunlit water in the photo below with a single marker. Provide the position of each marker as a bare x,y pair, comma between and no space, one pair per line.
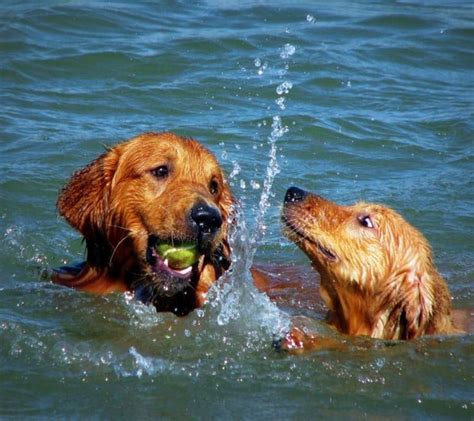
354,101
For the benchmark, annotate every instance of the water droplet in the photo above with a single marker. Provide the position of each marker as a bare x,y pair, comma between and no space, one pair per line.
200,313
281,103
380,362
287,51
284,87
254,184
235,170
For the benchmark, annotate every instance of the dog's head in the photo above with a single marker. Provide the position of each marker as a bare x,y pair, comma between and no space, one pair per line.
357,244
368,256
144,197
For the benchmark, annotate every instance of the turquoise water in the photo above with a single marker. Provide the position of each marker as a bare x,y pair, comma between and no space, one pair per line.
376,103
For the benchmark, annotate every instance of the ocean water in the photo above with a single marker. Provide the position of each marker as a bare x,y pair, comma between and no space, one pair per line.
367,100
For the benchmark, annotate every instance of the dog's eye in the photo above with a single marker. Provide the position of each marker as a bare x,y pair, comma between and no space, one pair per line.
365,221
213,187
161,172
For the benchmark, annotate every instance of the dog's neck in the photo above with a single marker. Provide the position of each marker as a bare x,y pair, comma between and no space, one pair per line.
99,253
97,274
349,308
356,309
89,278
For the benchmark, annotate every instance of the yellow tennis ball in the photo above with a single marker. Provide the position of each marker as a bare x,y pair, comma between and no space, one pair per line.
178,256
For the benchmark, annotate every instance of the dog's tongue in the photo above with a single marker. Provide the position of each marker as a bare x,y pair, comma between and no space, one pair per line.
164,266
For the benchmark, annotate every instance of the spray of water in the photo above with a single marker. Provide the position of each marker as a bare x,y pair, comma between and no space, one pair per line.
278,130
236,287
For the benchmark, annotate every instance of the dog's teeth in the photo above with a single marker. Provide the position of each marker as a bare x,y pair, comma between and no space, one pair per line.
163,264
181,271
184,271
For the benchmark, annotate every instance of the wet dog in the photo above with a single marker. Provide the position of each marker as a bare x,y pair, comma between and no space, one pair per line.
154,213
377,272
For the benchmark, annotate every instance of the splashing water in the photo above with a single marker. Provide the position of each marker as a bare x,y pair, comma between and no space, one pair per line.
236,286
278,130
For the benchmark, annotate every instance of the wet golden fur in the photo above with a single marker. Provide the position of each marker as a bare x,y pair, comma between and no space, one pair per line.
118,203
378,280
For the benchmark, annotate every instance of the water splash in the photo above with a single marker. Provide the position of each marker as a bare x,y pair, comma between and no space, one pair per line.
284,87
143,365
236,286
278,130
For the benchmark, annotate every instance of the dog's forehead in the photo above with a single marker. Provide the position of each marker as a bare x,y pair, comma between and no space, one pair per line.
373,209
184,154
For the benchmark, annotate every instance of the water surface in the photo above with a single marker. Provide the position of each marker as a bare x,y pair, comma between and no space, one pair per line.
373,101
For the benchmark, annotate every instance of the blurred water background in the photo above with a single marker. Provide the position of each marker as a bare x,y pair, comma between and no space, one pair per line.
367,100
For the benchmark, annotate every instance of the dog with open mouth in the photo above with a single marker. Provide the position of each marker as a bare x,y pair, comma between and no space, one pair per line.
377,272
154,215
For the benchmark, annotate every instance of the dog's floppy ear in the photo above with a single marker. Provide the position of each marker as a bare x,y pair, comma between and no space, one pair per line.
84,201
431,313
417,299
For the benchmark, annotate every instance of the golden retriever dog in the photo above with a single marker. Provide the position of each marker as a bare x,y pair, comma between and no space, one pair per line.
377,272
142,198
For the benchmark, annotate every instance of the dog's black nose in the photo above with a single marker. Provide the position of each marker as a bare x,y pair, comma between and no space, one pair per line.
207,218
294,194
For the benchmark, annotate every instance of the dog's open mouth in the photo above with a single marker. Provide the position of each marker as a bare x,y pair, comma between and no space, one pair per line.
173,271
291,229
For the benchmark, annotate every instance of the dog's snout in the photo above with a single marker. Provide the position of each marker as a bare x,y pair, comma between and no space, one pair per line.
207,218
294,194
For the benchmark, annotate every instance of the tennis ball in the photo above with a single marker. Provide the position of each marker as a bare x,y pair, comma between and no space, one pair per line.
178,256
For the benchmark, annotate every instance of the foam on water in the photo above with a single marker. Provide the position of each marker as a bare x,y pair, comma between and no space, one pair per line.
143,365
